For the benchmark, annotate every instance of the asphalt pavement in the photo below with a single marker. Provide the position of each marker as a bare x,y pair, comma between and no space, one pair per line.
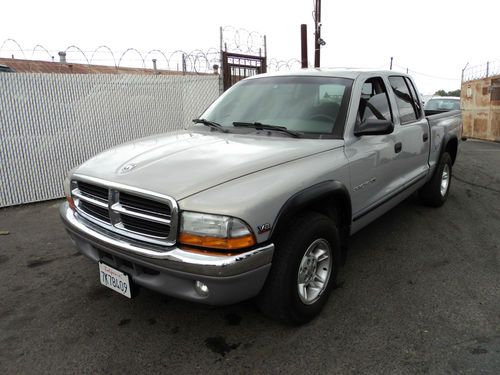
420,293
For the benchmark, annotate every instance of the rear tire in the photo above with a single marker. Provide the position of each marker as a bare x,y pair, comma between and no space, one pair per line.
435,192
303,271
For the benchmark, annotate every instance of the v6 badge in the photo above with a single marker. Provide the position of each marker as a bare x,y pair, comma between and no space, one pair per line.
264,228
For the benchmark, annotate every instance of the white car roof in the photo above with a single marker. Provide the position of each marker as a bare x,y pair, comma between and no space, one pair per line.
445,97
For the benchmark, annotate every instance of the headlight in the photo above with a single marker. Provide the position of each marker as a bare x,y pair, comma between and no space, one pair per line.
214,231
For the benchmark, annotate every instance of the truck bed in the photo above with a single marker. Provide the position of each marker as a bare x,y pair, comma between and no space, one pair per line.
442,125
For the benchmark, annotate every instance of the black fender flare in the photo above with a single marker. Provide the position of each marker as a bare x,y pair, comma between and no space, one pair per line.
444,144
311,195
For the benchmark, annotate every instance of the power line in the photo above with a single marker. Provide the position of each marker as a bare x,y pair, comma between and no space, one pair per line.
427,75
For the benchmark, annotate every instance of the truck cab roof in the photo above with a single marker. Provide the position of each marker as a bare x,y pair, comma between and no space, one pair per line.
349,73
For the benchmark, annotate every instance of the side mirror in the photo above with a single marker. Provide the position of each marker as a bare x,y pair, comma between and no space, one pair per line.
374,127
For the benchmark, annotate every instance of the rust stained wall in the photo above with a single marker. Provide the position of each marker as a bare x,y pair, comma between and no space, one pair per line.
495,107
480,112
495,119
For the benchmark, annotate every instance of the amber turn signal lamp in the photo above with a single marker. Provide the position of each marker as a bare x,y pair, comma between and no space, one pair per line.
217,242
71,202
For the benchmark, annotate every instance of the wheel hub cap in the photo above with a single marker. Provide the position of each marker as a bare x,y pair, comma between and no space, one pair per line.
314,271
445,180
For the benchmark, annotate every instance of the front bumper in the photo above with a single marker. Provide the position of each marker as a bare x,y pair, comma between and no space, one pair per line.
173,271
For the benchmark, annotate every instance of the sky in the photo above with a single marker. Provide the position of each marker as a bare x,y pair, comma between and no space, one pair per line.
434,40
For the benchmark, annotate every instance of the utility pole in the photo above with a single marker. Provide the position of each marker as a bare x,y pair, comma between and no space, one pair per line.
303,45
391,65
318,42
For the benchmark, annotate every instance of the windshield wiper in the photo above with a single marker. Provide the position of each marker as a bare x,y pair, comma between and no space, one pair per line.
260,126
211,124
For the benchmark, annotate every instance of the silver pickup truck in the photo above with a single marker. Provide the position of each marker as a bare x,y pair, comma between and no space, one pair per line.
259,197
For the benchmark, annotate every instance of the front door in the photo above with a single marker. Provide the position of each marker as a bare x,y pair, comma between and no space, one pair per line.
372,157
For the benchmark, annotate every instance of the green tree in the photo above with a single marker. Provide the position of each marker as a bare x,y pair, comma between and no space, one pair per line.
449,93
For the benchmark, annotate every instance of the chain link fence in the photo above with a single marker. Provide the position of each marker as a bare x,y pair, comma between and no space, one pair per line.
50,123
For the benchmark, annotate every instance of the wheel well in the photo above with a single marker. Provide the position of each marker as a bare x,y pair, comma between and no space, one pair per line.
336,206
452,148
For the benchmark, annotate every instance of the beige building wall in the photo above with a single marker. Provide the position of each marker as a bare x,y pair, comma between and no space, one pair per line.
481,108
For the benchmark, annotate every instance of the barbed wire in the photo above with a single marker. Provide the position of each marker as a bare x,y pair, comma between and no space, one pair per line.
243,41
108,49
16,43
197,61
42,47
131,50
79,50
275,65
233,39
485,70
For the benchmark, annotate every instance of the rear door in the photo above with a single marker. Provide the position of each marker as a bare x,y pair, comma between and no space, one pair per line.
412,133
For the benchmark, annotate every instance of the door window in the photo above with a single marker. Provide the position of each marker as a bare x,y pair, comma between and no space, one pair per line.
404,100
416,100
374,102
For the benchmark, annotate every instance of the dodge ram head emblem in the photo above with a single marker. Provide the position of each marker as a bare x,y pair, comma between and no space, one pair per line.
128,168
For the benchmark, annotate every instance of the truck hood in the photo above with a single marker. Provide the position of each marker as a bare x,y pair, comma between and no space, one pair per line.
183,163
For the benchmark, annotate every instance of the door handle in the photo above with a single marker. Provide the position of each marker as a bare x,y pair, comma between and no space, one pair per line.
425,137
398,147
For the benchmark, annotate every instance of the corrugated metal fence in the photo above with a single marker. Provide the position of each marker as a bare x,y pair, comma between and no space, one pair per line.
50,123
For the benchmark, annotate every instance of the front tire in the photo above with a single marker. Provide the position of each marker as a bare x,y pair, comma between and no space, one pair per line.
435,192
304,269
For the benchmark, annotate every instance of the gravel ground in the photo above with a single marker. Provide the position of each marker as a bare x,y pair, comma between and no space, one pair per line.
420,293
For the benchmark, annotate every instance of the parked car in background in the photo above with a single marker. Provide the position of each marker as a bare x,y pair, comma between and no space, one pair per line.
425,98
440,104
6,69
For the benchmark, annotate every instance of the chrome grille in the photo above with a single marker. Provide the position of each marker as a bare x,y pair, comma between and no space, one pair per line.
93,191
129,211
143,226
146,206
95,211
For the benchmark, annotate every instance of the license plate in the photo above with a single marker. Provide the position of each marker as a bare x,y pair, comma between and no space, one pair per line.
114,279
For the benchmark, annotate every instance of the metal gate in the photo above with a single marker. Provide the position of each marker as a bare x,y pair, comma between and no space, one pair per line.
237,66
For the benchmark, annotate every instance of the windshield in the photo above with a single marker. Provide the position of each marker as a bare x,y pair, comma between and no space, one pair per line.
442,104
316,105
